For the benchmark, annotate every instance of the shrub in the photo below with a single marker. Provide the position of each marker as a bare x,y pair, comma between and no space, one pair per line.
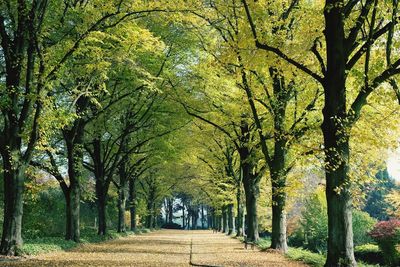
387,235
362,224
308,257
369,253
313,231
171,226
315,222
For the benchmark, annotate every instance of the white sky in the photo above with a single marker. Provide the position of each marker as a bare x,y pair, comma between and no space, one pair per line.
393,165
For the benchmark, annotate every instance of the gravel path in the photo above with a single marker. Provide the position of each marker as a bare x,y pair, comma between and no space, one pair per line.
162,248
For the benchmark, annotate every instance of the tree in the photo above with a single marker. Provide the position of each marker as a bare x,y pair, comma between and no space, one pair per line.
33,53
275,97
347,48
375,205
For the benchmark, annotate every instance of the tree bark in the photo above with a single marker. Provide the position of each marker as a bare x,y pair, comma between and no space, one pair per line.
250,184
203,219
230,219
224,219
170,210
121,208
75,158
101,208
13,208
75,212
336,141
149,217
154,222
68,215
278,180
194,221
239,218
183,216
132,203
251,192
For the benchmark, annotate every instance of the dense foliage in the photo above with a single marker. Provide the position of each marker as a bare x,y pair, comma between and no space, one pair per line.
256,118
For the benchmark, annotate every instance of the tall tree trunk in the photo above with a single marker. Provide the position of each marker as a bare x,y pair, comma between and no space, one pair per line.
132,203
75,158
194,222
122,197
210,218
68,214
336,141
154,222
203,219
278,181
170,210
230,219
13,207
75,196
250,183
165,203
239,220
102,186
121,208
224,220
183,216
214,221
277,165
101,208
278,238
251,192
149,217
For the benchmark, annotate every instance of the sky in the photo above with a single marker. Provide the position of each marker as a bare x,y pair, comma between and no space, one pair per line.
393,165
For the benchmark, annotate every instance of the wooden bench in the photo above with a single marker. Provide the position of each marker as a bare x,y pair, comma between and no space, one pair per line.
248,242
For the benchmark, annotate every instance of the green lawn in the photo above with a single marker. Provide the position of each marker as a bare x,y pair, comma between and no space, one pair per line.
50,244
304,255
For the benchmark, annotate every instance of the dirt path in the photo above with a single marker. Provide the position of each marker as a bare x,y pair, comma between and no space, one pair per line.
162,248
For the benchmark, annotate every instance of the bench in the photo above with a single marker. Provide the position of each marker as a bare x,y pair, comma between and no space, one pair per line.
248,242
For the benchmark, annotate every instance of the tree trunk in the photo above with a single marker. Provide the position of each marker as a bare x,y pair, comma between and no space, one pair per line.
251,191
250,183
75,212
336,141
278,238
122,197
278,181
188,221
230,219
210,218
13,207
154,222
132,203
121,208
183,216
68,215
203,219
149,217
101,209
75,158
224,220
170,210
251,218
218,223
194,222
239,220
214,222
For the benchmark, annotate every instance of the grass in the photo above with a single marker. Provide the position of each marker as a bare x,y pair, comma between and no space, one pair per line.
304,255
50,244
